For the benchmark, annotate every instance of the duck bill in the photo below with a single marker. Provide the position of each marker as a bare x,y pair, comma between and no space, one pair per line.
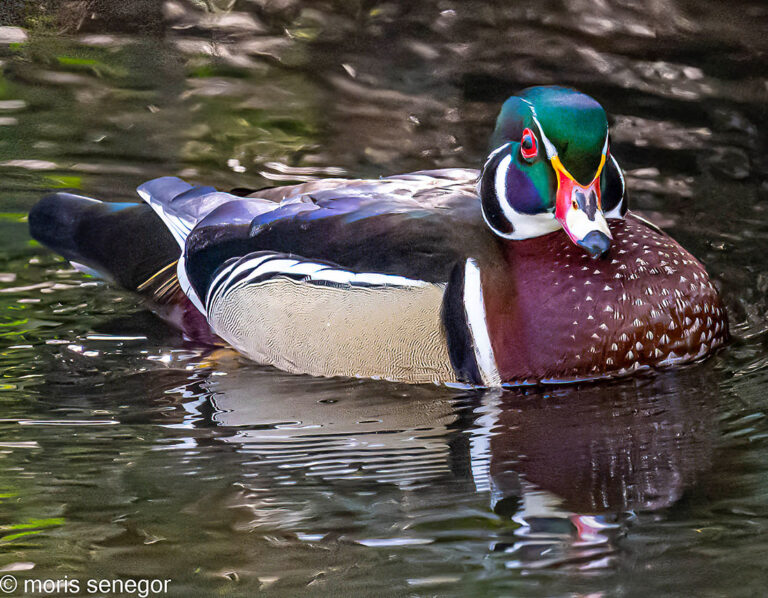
579,211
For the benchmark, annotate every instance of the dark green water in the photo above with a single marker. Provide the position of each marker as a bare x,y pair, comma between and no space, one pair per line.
127,453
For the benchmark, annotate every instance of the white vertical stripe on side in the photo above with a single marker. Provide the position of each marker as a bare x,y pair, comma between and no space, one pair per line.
474,308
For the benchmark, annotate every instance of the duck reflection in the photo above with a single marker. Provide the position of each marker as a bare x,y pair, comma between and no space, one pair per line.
338,429
566,467
571,466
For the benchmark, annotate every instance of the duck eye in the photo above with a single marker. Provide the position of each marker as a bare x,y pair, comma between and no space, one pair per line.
528,147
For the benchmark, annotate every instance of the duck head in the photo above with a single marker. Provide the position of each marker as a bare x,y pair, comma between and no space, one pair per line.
551,168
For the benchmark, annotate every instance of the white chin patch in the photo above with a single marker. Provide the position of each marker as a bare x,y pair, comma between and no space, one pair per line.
579,224
528,226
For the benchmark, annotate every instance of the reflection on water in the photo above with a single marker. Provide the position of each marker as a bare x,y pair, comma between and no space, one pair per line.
127,452
560,467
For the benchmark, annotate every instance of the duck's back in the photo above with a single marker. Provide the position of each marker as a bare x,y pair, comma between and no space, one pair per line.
417,225
345,277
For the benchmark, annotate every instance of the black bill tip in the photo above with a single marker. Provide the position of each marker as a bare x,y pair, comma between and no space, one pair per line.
596,243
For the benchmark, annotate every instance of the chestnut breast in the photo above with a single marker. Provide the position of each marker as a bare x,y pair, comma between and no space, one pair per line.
555,314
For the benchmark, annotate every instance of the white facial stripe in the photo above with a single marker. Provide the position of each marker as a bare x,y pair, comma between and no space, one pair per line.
526,225
580,225
548,145
474,308
534,225
496,151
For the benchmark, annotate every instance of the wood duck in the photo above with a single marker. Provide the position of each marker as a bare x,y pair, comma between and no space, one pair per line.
531,270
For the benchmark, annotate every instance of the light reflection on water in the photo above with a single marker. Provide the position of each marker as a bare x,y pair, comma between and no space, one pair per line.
128,452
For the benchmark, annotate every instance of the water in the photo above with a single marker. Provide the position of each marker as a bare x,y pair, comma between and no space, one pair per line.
127,453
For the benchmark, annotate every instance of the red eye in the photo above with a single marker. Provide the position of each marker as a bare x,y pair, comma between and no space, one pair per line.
528,147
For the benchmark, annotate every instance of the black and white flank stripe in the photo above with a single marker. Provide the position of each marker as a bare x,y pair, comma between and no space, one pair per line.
261,266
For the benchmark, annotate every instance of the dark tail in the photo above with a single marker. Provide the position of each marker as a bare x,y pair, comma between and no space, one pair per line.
123,242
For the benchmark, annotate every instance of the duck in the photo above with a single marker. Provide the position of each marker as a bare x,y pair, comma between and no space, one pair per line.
530,270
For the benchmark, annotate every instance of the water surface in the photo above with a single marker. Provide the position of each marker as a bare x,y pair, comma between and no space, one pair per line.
128,453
